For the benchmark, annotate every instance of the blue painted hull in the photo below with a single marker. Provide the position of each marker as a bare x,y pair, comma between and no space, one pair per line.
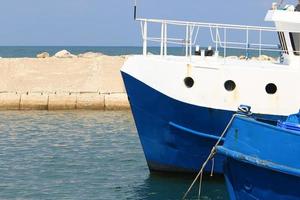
176,136
249,182
262,161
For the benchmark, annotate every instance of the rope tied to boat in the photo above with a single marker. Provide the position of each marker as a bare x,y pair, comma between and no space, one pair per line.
210,156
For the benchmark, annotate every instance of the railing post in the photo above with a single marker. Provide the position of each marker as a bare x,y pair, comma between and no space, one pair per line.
247,43
260,40
162,39
166,40
217,50
190,39
186,40
225,40
145,38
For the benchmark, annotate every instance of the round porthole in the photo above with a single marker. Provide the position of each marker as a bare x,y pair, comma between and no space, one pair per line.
271,88
189,82
229,85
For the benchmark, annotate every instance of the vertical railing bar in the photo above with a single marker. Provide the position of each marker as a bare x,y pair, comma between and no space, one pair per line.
142,29
225,42
247,42
162,39
260,41
186,39
145,39
166,40
190,39
217,30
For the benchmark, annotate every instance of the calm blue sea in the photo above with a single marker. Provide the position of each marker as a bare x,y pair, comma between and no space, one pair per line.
82,155
32,51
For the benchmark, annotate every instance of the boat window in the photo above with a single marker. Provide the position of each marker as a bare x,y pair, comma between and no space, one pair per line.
295,40
271,88
229,85
189,82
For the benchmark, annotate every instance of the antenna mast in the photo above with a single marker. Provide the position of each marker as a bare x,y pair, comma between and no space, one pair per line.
134,9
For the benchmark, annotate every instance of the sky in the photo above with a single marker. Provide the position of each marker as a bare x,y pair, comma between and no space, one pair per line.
110,22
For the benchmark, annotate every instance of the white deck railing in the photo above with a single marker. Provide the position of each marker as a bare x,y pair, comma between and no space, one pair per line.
218,34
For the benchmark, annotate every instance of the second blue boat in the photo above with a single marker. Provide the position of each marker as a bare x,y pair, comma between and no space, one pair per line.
262,161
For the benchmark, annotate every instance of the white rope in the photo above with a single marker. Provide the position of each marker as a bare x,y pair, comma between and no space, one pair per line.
210,156
212,167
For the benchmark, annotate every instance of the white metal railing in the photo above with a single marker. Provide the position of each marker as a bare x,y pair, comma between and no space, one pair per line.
218,34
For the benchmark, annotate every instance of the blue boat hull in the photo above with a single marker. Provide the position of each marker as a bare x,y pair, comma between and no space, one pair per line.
262,161
249,182
175,136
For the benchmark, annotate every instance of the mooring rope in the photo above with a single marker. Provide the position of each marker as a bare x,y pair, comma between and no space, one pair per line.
211,155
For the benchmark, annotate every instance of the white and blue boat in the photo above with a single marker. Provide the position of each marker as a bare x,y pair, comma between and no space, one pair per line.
262,161
181,104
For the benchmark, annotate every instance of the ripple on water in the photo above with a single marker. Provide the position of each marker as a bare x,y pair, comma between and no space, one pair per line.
80,155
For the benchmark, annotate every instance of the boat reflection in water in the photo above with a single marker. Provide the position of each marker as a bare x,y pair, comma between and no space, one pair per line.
172,186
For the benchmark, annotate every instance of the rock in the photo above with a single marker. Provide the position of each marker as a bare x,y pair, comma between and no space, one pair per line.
242,57
263,58
272,59
254,58
266,58
43,55
64,54
90,55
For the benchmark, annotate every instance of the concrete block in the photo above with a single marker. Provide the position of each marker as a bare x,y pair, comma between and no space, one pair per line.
116,101
62,101
34,101
10,101
90,101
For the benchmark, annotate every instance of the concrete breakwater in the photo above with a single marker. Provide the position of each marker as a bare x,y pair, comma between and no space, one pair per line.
53,83
63,101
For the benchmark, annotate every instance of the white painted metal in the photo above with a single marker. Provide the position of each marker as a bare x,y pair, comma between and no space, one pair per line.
145,36
278,16
162,39
166,74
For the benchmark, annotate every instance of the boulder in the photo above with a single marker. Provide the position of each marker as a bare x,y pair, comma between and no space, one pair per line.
64,54
242,57
90,55
264,58
43,55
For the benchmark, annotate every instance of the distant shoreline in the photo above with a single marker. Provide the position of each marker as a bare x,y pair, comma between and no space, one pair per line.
32,51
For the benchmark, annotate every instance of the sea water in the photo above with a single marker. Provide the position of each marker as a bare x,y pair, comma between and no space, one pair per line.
83,155
32,51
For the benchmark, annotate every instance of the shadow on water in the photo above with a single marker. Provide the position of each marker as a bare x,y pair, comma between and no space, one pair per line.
173,186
